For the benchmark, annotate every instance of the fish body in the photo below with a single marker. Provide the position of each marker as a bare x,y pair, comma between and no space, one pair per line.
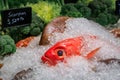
66,48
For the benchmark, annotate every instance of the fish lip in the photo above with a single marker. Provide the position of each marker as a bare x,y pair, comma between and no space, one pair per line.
46,60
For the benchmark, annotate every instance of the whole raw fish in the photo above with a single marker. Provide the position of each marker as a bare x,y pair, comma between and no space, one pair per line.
67,48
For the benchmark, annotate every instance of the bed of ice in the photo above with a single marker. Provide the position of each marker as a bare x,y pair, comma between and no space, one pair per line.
77,67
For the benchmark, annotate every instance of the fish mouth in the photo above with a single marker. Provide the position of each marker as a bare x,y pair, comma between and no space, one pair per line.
47,60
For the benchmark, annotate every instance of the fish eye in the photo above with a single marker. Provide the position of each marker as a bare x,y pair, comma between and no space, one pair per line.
60,52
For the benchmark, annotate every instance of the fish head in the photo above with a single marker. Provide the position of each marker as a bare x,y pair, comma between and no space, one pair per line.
54,55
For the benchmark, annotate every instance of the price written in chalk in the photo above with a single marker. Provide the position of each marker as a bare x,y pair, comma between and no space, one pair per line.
16,17
15,20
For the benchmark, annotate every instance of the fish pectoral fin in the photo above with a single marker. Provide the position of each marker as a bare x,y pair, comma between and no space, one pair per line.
92,53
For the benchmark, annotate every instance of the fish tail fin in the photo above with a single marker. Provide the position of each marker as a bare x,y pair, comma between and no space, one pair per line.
92,53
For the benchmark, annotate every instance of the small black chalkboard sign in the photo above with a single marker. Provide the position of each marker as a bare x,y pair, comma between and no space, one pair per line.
117,11
16,17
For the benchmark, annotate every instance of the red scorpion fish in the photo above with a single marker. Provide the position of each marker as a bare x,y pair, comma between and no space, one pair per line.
24,42
67,48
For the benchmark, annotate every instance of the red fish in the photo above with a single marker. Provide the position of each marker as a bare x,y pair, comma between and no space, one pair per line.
24,42
66,48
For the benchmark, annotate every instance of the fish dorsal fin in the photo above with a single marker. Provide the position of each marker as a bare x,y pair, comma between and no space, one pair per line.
92,53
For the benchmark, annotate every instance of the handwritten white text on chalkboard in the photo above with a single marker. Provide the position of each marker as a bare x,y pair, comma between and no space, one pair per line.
15,20
15,17
18,14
